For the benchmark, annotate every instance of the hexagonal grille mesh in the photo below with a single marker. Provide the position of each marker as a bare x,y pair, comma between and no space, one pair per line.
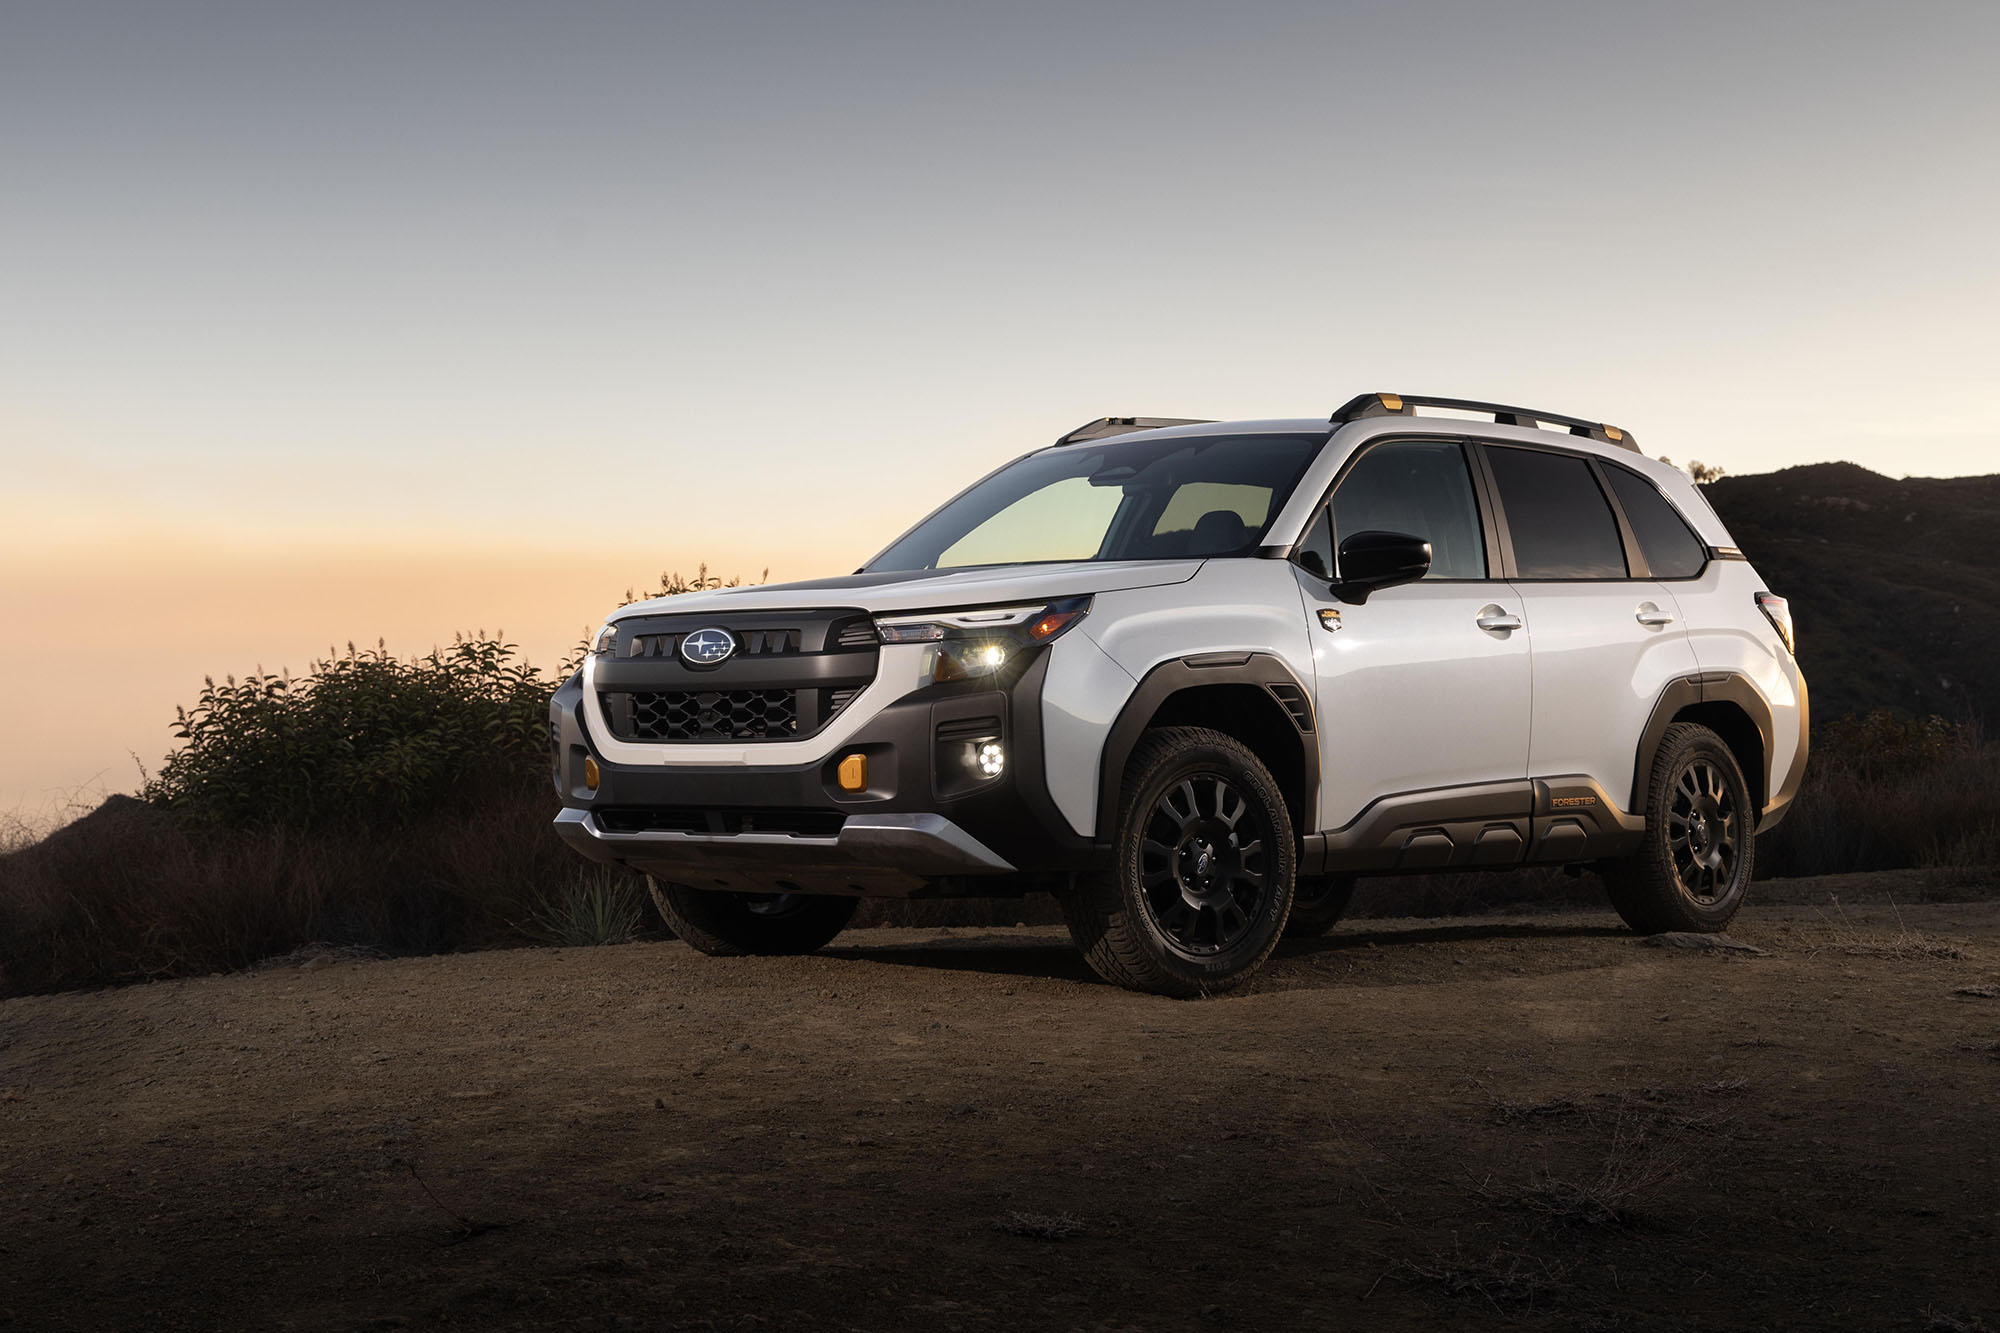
684,715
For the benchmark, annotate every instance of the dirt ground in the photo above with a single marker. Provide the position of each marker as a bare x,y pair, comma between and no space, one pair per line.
1531,1121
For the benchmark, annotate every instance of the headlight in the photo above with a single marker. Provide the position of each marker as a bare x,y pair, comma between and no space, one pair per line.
981,641
607,641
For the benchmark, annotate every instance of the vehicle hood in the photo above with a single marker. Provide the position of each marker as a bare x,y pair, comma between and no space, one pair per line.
931,589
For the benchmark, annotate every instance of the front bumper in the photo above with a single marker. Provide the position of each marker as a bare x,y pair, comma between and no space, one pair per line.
739,824
886,855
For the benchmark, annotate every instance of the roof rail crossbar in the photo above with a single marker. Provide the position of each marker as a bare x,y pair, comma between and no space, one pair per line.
1104,427
1404,405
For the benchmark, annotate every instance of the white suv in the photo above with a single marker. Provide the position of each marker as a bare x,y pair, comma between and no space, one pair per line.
1193,677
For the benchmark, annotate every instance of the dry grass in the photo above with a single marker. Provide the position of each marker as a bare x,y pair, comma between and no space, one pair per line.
1883,793
1505,1279
1937,1321
1653,1139
1905,945
592,906
132,893
1042,1226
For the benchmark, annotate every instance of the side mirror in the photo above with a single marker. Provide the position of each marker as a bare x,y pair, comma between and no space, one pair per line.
1374,560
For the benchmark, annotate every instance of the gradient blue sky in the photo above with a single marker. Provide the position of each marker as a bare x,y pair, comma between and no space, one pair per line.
325,321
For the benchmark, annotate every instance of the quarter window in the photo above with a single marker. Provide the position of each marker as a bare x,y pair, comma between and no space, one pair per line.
1672,550
1561,524
1418,487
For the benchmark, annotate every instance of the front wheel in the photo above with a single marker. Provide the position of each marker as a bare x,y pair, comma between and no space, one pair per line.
1694,867
1201,879
731,925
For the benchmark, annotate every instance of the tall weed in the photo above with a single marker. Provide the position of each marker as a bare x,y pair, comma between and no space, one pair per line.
1885,792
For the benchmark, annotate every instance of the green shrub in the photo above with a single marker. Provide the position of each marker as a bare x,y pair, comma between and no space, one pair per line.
366,737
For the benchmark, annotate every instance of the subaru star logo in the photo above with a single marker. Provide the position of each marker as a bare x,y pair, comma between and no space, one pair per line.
707,647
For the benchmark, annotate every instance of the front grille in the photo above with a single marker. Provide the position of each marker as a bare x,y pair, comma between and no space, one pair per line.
721,823
708,715
749,643
790,673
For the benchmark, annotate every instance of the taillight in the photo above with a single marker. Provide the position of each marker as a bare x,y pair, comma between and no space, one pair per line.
1779,612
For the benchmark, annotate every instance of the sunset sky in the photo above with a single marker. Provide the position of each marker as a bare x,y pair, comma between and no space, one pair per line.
341,321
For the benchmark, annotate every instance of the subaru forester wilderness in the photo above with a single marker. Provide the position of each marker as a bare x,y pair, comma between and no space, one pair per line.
1193,677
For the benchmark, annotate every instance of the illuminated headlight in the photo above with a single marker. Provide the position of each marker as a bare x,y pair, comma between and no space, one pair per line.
963,661
981,641
607,641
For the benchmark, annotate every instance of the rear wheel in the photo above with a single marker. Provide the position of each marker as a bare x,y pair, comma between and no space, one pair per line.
1318,903
1694,867
731,925
1201,879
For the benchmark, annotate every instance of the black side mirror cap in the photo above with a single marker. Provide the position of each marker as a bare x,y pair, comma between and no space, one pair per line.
1374,560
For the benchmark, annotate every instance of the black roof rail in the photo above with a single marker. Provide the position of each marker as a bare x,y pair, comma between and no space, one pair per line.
1104,427
1403,405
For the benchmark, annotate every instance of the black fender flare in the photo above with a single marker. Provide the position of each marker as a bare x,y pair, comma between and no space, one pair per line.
1261,671
1708,687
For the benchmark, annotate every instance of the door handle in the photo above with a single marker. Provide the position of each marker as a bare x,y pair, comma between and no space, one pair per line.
1649,614
1493,618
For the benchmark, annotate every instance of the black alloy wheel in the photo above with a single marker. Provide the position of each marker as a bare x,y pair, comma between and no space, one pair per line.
1204,864
1195,894
1704,831
1695,862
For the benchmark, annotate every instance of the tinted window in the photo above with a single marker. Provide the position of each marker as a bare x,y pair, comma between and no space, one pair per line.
1418,487
1134,499
1561,523
1316,551
1670,546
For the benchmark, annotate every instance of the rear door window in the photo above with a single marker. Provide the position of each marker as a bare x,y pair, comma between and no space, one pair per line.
1561,525
1671,549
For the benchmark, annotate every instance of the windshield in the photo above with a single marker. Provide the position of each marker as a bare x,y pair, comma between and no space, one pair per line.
1140,500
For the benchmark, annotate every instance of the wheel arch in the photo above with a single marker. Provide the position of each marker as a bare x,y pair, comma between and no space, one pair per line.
1727,704
1254,697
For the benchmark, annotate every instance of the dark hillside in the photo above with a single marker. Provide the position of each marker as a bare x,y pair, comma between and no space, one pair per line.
1894,585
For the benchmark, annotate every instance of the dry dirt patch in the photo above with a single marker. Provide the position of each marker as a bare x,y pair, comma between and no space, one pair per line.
1536,1118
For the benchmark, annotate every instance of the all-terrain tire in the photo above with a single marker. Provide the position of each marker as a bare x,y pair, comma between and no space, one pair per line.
1694,867
1318,904
1197,915
731,925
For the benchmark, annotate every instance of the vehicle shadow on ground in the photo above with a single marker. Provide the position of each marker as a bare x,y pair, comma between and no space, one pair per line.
1350,937
1038,956
995,955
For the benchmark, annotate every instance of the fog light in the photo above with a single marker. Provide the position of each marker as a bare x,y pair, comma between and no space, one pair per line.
853,773
590,774
992,759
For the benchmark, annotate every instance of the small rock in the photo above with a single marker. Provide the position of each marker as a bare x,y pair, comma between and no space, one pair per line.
659,1103
1687,939
740,1046
963,1108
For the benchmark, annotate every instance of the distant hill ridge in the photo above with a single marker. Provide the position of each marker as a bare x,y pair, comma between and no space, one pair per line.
1895,585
